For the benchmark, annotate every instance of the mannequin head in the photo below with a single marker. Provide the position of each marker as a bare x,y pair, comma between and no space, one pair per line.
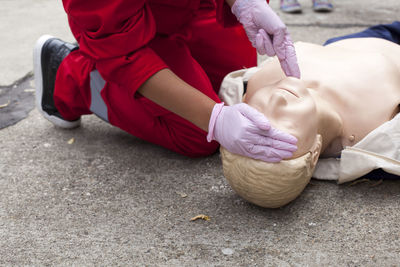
270,185
340,99
290,107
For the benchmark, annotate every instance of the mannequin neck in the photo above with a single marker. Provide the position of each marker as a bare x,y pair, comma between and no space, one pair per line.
330,123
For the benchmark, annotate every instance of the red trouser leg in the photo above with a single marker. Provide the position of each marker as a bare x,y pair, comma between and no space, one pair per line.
72,88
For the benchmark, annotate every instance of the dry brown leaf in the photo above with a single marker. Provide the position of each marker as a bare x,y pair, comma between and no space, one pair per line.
183,195
377,183
200,216
359,181
5,105
71,141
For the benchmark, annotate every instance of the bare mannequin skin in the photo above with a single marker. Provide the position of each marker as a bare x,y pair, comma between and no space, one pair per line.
346,90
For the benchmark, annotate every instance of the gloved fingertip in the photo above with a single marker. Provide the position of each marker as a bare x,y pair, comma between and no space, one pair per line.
291,140
265,126
260,44
290,71
291,148
294,142
262,33
292,64
285,154
283,136
286,146
272,160
263,123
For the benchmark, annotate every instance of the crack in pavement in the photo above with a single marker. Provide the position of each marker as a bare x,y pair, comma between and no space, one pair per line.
16,101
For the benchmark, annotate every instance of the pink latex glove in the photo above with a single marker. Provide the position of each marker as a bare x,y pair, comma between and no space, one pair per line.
267,33
243,130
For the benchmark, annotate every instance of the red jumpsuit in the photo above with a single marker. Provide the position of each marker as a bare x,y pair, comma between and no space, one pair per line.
128,41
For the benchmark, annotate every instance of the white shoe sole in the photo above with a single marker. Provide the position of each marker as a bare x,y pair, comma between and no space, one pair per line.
37,66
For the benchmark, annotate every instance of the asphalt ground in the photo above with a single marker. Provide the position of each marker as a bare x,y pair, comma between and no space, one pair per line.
98,196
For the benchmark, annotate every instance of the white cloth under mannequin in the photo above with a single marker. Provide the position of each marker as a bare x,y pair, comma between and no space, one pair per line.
380,149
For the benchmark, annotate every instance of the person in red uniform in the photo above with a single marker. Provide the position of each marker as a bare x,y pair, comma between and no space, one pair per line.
153,68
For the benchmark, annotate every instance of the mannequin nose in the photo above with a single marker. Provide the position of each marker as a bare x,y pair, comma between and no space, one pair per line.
278,98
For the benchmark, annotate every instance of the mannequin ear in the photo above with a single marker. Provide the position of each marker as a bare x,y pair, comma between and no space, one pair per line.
316,150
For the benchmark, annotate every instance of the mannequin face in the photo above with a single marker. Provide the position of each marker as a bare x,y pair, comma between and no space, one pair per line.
289,106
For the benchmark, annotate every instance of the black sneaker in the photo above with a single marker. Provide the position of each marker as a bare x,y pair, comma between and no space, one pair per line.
47,56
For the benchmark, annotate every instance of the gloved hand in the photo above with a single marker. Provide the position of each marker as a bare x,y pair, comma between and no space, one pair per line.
243,130
267,33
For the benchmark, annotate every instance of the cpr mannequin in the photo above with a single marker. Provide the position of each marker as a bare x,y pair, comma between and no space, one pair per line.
347,89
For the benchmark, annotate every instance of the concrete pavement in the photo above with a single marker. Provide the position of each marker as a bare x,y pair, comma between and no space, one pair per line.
98,196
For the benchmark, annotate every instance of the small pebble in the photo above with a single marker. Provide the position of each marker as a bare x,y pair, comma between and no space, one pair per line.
227,251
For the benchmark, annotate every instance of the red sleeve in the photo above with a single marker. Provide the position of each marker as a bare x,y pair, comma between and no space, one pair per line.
224,14
115,35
